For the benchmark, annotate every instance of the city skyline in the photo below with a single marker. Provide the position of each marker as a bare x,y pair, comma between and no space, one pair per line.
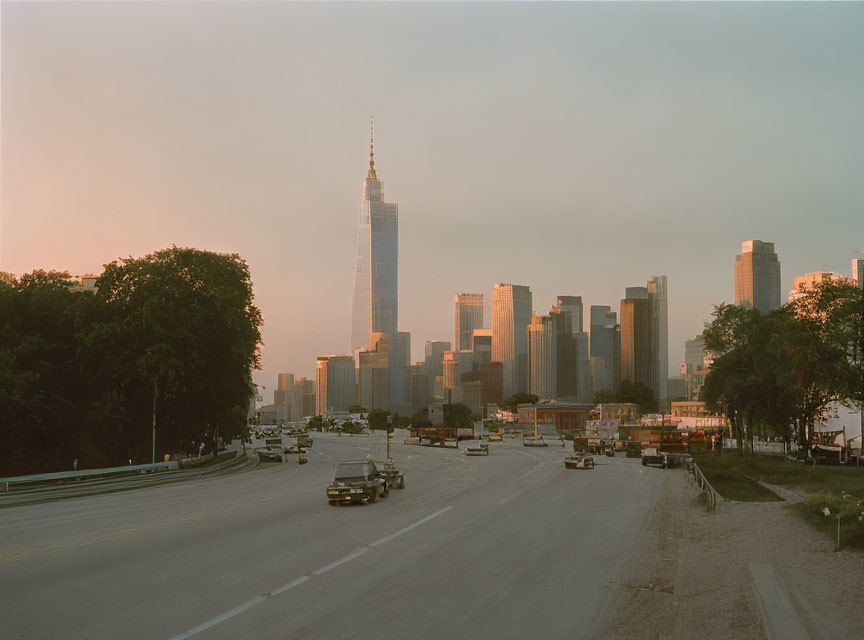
478,170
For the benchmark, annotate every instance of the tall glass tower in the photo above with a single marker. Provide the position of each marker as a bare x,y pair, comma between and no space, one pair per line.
375,302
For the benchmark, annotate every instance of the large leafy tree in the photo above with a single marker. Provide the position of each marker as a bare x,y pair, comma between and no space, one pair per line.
79,371
183,327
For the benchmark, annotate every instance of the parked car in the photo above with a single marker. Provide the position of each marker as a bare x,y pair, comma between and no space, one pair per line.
652,455
477,450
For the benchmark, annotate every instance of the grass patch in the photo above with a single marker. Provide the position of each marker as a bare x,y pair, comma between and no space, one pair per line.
832,479
732,483
850,511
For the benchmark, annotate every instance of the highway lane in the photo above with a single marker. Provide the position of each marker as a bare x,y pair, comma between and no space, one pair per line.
477,547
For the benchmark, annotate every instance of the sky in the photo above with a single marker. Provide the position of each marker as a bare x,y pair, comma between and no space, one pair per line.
575,148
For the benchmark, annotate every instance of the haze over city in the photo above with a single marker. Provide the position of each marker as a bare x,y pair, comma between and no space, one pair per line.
576,149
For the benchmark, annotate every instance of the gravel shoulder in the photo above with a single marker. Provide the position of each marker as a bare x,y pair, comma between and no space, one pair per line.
689,574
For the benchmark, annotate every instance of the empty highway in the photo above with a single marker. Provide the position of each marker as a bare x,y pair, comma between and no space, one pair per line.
508,545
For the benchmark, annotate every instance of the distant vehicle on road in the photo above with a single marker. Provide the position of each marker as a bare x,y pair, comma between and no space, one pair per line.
357,481
477,450
579,461
652,455
496,437
533,441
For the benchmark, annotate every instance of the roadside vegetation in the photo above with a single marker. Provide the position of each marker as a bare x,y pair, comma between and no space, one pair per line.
82,373
775,374
731,482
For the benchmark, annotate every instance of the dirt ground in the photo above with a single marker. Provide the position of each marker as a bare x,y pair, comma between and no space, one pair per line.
689,574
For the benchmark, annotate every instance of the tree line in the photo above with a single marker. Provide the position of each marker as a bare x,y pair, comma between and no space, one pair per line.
776,373
82,373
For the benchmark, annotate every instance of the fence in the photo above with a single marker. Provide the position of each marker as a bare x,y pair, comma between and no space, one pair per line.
705,486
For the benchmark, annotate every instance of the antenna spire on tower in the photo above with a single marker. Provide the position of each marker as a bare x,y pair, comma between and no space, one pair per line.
371,173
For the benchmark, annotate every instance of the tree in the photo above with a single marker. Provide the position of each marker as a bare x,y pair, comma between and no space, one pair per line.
637,393
516,399
420,418
377,419
182,332
457,415
316,422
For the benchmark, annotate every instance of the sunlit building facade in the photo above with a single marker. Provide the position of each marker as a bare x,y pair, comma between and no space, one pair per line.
757,276
512,307
334,383
636,334
375,301
469,316
543,356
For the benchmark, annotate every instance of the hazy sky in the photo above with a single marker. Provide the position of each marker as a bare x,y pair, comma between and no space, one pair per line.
575,148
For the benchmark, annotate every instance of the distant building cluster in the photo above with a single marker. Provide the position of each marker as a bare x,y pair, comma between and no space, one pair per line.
552,355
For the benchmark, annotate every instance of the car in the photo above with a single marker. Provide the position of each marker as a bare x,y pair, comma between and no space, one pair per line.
270,454
579,461
477,450
532,441
653,455
496,437
293,449
356,481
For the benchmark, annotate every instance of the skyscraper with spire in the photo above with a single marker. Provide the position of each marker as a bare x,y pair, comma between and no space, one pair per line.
375,307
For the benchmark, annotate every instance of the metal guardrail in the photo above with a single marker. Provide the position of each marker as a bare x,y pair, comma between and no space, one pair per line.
60,476
705,486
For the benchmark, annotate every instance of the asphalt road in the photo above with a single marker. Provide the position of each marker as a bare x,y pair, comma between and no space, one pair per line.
503,546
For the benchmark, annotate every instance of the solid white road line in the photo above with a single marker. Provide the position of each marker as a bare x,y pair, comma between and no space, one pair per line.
259,599
410,526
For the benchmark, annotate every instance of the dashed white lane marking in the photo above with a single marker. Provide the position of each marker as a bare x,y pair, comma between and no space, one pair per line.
410,526
509,498
333,565
263,598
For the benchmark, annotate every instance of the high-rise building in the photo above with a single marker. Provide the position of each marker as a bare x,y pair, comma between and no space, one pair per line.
636,336
375,302
334,383
694,354
658,296
574,364
605,349
858,271
481,346
807,282
543,356
434,352
455,365
757,276
469,316
374,377
572,307
512,307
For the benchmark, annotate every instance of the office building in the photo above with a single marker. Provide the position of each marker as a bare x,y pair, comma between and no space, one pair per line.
658,296
334,383
374,377
511,313
636,336
455,365
694,355
757,276
809,281
481,346
605,349
543,356
375,306
469,316
434,358
858,271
